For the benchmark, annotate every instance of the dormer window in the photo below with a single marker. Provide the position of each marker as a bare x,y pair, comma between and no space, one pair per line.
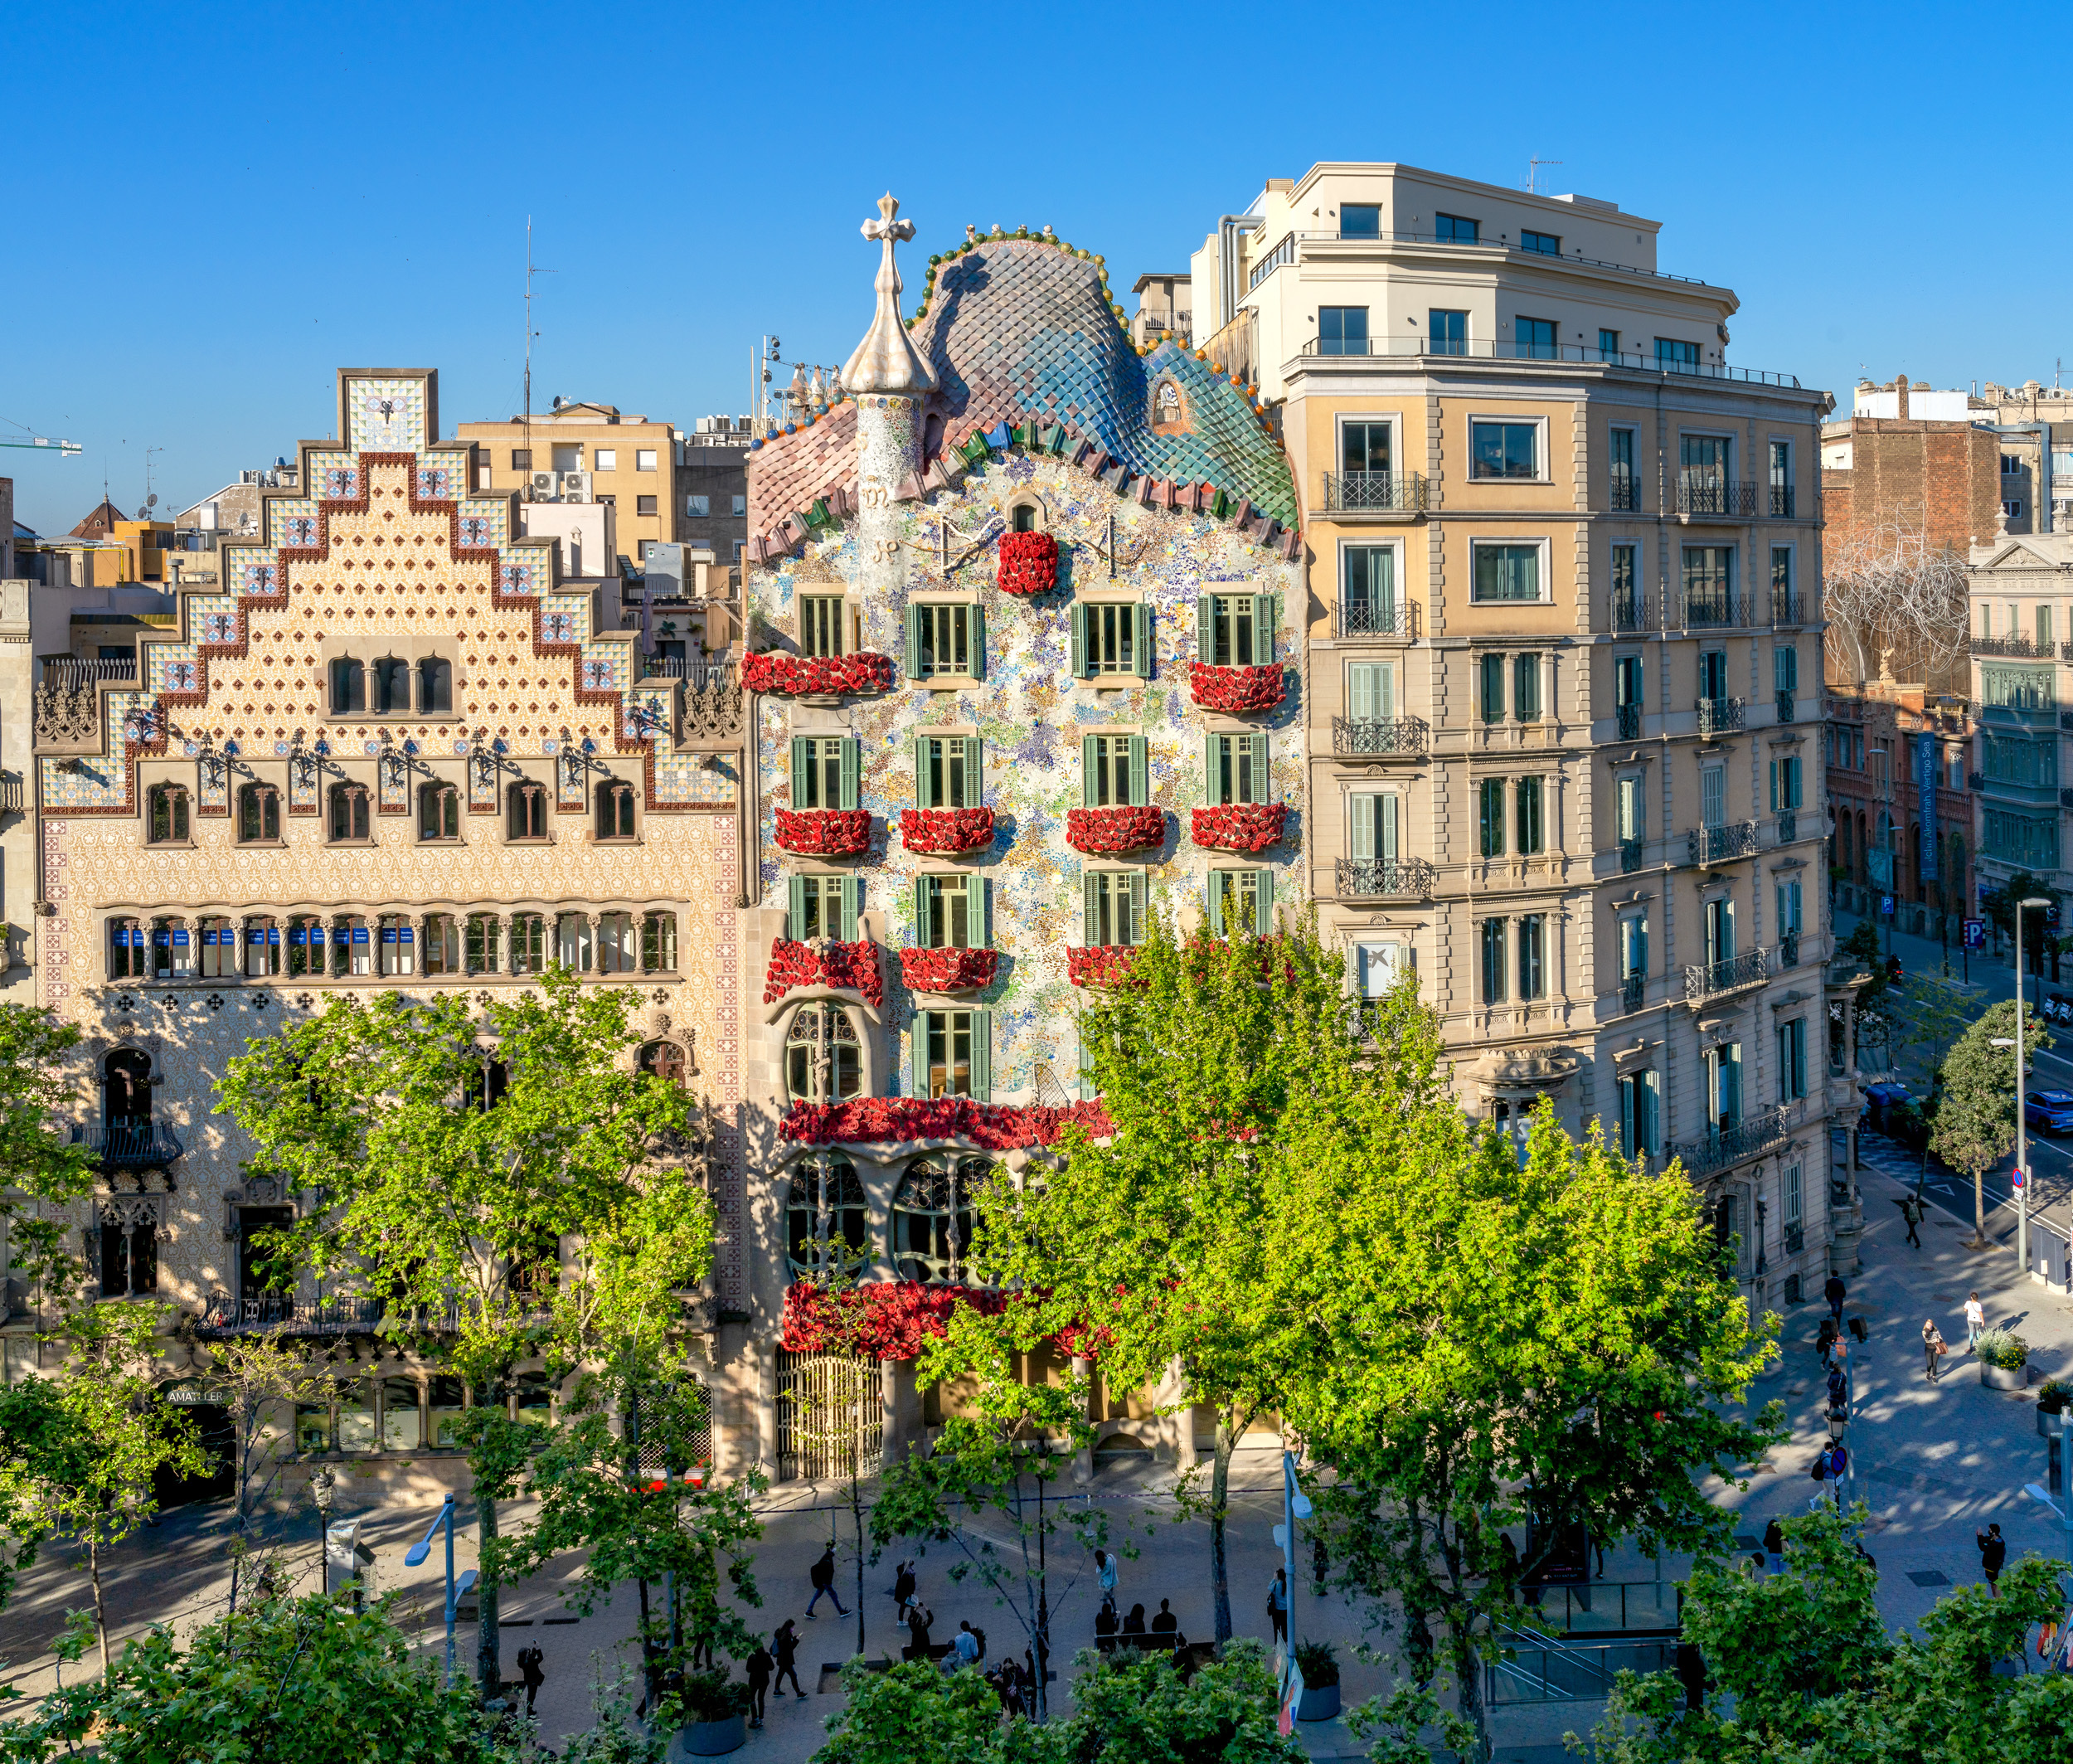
349,823
615,811
528,812
168,812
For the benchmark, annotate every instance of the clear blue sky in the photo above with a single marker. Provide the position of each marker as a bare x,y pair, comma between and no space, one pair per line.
212,207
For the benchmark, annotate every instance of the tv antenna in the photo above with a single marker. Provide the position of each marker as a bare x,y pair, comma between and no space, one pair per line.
150,500
1533,173
531,269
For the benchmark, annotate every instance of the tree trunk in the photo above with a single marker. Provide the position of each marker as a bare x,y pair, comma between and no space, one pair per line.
488,1641
1468,1669
1978,1210
1219,1504
1042,1696
100,1611
857,1518
1418,1649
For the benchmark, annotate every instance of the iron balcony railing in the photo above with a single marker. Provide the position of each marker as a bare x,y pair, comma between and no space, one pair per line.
1731,974
224,1315
1357,493
1630,856
1785,606
1631,609
1628,716
1702,493
1736,1143
1624,496
1718,715
1362,878
2009,646
1795,1239
1786,709
699,676
1365,735
1788,826
1373,617
1507,349
76,672
1781,502
1631,991
1788,950
1712,608
1716,845
130,1145
2065,651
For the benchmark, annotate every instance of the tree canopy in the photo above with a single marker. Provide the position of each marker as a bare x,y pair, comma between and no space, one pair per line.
1975,1126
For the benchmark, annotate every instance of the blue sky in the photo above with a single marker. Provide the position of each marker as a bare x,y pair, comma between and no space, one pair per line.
212,207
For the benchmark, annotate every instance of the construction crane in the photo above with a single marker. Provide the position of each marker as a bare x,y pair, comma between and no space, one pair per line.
65,450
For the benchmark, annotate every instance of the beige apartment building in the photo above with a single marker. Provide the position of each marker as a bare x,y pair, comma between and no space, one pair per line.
1563,667
586,452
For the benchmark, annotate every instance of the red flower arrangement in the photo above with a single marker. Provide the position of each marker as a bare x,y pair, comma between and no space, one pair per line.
824,833
895,1320
775,671
1239,827
989,1126
1028,563
1098,963
1098,832
1234,690
947,970
946,831
823,964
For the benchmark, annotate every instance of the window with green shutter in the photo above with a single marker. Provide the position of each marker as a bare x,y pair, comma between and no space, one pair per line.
947,772
1240,900
1112,637
945,639
824,906
1114,771
1237,769
953,1054
949,913
1235,630
1113,902
824,769
1491,802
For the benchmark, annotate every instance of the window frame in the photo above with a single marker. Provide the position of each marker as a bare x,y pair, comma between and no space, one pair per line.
179,816
1543,583
644,458
823,618
449,796
262,796
1539,348
1536,426
1446,229
533,794
1344,342
619,824
978,1052
358,801
821,1011
1541,245
1114,900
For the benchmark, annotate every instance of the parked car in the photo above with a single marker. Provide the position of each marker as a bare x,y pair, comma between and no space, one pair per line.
2049,1111
1882,1104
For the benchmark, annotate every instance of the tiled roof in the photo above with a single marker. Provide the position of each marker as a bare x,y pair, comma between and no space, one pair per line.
1019,330
99,522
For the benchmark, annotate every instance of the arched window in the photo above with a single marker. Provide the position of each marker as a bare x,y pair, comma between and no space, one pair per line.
485,944
824,1062
126,1089
491,1084
572,941
127,943
826,1187
348,688
262,948
616,953
435,686
352,955
128,1252
219,950
399,946
391,692
306,941
658,943
528,944
442,952
664,1060
167,823
259,815
932,1216
349,823
172,953
439,812
528,807
615,811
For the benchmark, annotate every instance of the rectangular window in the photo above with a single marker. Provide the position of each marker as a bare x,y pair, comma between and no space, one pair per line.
1372,835
644,505
1785,606
1506,572
944,634
1620,469
1360,220
1240,901
740,506
522,459
1791,1060
698,508
1113,772
1789,899
2017,689
1634,946
1533,956
1533,339
219,950
1633,815
1675,355
820,625
1368,606
1341,330
1724,1086
1532,831
1785,785
1639,1095
947,772
1115,638
643,458
1504,449
2022,762
823,771
1114,906
1371,692
1363,448
1447,332
1607,345
1380,966
1627,679
822,906
1548,245
1490,803
1237,629
605,460
1526,687
2044,630
1491,686
1238,766
2029,840
1627,607
2011,464
1493,961
1713,795
1455,229
1709,585
1781,487
943,1044
949,913
1793,1186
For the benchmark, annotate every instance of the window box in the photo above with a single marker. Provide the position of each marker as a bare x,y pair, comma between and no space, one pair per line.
904,1120
824,833
1236,690
775,671
1100,832
1239,827
1098,963
946,831
853,967
1028,563
947,970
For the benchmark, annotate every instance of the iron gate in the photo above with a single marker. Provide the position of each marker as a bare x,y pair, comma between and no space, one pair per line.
830,1416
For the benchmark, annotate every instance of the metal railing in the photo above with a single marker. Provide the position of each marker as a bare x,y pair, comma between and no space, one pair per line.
1781,502
1378,236
2010,646
1632,989
1540,1671
1504,349
71,672
1786,708
1788,950
1632,1607
1750,1137
1702,493
1716,845
1624,495
1795,1239
1785,606
1630,856
1363,735
1714,608
222,1315
699,676
1283,253
1629,718
1788,826
133,1145
1718,715
1630,610
1731,974
1389,618
1362,878
1355,492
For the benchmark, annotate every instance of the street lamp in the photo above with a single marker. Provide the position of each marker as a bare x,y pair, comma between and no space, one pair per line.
455,1590
1295,1505
324,1488
2022,1145
2037,1492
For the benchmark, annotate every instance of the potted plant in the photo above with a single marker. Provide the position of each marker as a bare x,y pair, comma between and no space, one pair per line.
2004,1359
1320,1669
2053,1396
713,1710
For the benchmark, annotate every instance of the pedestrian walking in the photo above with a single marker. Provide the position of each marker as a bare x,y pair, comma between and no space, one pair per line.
1833,1291
1932,1346
1774,1547
785,1647
1825,1339
903,1585
1838,1387
532,1674
1320,1561
966,1644
1975,1321
1912,1211
919,1618
1105,1576
1993,1551
1277,1604
758,1665
823,1574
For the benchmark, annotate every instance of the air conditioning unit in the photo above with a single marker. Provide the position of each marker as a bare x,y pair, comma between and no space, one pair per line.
546,487
575,487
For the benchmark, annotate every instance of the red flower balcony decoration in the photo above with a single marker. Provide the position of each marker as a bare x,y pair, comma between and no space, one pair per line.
905,1119
824,833
947,970
824,963
1235,690
895,1320
1100,832
944,833
1028,563
1098,963
775,672
1239,827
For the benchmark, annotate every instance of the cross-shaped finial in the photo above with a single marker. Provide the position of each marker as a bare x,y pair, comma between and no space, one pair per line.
886,228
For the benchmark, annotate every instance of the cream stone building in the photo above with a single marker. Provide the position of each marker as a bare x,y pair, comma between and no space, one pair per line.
582,452
394,748
1562,666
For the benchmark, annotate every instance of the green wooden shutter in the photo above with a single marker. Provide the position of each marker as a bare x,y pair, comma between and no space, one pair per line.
1263,623
1260,793
1089,1088
924,896
852,752
852,897
922,798
1141,649
1262,903
978,641
1774,786
1140,774
1216,903
1079,640
981,1055
1136,905
1205,628
1089,765
914,643
1213,772
1090,903
984,904
796,928
974,778
799,771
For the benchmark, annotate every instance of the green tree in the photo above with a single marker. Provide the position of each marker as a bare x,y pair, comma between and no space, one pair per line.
453,1200
40,1172
1932,1013
1975,1123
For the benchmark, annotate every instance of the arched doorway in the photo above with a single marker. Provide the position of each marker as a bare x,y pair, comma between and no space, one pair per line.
218,1438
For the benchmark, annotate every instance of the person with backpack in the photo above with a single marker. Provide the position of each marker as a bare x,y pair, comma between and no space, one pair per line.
1975,1321
823,1574
1993,1552
758,1666
903,1586
784,1645
1912,1211
1277,1604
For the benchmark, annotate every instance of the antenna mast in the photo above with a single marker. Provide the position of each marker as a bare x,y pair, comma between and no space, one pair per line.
528,330
1533,172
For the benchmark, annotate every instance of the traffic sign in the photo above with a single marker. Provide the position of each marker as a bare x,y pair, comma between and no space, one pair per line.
1886,905
1975,934
2015,1176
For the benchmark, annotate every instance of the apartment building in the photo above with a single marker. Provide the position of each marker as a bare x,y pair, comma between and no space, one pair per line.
1562,666
583,451
1900,804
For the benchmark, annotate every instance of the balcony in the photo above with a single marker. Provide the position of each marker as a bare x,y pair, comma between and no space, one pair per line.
1712,608
1363,736
1781,502
1631,610
12,796
1719,715
1363,879
1786,708
133,1145
1721,844
1751,1137
1788,950
1632,989
1627,717
1731,973
1785,607
1630,856
1507,349
81,673
1788,826
224,1315
1623,496
2010,646
1371,618
1374,492
1702,494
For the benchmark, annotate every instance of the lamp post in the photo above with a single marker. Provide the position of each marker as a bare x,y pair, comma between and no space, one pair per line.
2037,1492
2023,1147
455,1590
1295,1505
324,1488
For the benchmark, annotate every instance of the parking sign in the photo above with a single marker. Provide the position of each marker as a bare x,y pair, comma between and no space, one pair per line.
1886,905
1975,934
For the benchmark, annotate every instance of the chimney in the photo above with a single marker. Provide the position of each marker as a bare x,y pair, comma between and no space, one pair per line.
1899,386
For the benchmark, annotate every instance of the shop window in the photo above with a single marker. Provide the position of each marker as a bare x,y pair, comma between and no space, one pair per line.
352,955
398,951
445,1402
127,946
171,951
262,948
401,1424
306,947
219,950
